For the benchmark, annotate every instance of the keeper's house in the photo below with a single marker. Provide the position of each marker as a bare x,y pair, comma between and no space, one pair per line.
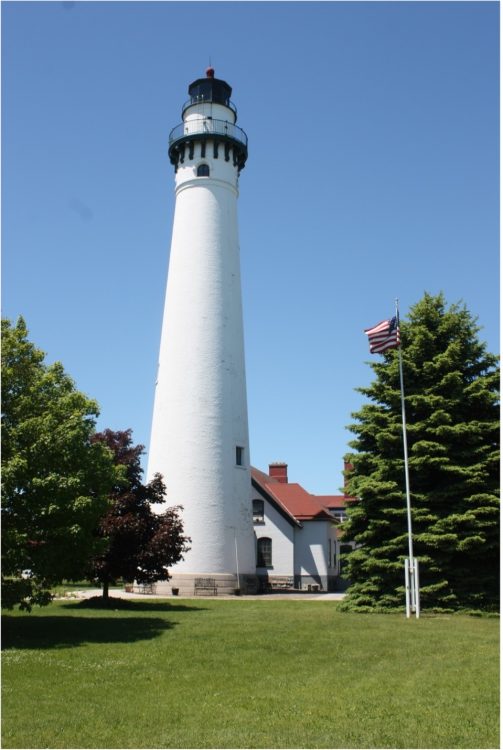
296,533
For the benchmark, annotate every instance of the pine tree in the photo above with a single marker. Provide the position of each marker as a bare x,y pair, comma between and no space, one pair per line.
451,396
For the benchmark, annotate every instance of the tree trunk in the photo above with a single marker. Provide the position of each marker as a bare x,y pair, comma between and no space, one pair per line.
105,589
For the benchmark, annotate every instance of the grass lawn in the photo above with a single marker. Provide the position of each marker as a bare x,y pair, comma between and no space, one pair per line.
247,674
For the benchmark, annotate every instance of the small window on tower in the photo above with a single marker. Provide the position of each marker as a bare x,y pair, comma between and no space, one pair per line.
239,455
203,170
258,511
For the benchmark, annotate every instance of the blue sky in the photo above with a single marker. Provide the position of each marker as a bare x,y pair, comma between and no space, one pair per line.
373,173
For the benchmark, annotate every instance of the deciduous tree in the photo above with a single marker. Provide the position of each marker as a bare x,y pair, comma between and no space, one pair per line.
55,479
140,544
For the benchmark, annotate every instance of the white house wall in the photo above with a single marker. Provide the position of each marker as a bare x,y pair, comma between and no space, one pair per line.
307,554
315,548
281,533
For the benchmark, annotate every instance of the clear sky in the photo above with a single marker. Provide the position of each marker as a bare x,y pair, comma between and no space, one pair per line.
373,173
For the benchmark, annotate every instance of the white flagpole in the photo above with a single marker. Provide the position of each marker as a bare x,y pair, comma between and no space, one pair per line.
412,579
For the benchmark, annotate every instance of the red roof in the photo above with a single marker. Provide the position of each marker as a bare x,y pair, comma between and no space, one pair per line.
333,501
295,500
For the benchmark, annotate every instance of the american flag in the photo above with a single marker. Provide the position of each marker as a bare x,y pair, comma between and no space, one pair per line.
385,335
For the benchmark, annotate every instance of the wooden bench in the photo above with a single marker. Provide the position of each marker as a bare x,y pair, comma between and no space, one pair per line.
280,582
145,588
206,586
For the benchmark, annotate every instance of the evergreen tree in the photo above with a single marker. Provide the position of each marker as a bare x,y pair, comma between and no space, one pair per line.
451,396
55,481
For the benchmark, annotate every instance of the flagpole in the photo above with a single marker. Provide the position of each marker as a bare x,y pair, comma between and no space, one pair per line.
411,578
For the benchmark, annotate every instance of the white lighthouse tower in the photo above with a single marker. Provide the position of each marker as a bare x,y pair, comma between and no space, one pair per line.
199,439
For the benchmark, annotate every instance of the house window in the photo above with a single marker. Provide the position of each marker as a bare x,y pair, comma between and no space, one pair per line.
264,552
239,455
203,170
339,515
258,511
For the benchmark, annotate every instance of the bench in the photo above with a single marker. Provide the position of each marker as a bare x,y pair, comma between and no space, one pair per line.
280,582
143,588
206,586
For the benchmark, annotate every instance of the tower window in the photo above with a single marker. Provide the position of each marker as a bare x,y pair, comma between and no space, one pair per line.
258,511
239,455
264,552
203,170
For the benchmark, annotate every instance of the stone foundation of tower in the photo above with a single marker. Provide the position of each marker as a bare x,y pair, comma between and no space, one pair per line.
208,584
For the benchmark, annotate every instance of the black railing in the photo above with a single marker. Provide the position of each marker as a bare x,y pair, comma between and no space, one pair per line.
208,126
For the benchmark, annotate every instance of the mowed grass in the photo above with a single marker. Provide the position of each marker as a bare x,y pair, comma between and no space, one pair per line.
247,674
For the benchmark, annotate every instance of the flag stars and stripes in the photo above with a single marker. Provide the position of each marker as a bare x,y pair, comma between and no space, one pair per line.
383,336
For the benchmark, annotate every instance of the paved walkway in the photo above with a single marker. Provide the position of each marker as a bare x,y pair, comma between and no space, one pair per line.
88,593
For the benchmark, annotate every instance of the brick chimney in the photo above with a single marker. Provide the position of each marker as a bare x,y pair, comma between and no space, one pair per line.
279,470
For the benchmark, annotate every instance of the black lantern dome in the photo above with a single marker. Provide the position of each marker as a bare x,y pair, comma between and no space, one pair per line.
210,89
208,127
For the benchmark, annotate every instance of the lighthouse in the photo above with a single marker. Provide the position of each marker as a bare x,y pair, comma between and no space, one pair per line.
199,439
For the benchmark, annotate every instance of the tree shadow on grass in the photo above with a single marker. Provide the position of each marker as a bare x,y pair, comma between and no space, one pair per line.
103,625
64,632
130,605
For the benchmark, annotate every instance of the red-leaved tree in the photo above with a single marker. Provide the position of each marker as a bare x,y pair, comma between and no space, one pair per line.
140,544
